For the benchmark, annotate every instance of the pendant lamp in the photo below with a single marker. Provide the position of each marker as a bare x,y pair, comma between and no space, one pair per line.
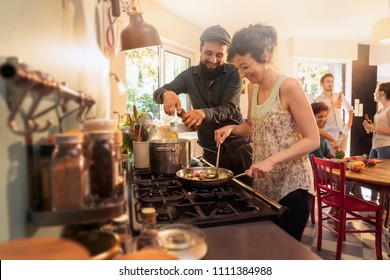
138,33
381,30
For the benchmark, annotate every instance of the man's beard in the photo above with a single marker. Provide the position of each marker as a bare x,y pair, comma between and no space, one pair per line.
211,74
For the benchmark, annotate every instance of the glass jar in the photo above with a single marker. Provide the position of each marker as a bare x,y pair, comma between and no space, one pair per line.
148,237
118,172
68,172
122,228
102,165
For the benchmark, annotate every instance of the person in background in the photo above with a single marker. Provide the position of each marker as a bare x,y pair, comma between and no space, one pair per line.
337,103
214,88
323,133
381,126
283,127
320,111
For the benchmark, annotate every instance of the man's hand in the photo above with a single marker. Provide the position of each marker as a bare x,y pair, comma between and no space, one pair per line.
171,102
194,118
339,101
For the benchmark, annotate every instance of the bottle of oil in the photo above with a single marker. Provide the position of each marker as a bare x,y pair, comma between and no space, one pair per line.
174,134
148,238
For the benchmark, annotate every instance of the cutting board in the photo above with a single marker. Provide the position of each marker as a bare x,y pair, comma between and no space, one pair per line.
42,249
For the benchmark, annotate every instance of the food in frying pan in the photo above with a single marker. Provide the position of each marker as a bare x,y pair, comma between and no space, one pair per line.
205,175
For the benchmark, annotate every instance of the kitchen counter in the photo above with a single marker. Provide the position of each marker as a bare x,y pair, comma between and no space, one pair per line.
254,241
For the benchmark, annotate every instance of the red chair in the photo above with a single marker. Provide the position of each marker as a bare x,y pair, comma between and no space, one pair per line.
330,191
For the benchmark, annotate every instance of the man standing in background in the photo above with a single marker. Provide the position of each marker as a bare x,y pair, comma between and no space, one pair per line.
335,124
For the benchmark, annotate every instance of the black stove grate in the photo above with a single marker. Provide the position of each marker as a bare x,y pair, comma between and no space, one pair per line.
175,203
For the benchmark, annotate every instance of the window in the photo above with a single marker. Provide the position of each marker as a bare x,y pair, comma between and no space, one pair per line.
310,70
146,70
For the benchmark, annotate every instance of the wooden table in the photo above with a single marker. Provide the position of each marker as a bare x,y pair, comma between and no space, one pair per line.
376,178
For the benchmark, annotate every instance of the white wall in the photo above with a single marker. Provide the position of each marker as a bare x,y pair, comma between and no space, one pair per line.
61,38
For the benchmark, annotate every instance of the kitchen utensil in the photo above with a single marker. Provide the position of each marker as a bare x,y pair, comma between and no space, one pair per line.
135,113
206,183
145,119
137,133
169,155
141,154
217,163
181,115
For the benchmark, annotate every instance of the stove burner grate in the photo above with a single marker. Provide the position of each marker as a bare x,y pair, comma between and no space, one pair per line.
176,203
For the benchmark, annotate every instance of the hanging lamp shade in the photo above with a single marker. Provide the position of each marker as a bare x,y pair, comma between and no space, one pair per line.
138,33
381,31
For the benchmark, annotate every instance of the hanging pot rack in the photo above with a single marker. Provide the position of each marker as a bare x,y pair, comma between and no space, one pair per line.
23,83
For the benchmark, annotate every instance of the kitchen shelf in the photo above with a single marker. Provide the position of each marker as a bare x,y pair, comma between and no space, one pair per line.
77,216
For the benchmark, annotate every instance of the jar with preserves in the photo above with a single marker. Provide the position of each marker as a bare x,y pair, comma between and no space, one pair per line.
102,165
68,172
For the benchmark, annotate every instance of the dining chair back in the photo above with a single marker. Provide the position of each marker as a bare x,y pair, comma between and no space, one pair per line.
330,191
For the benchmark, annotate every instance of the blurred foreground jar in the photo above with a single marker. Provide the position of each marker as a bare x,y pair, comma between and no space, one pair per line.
68,172
103,167
148,238
120,226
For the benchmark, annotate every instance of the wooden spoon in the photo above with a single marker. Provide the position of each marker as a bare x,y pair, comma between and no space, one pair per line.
217,163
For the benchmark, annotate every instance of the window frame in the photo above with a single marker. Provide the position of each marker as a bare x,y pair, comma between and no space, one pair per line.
178,49
348,70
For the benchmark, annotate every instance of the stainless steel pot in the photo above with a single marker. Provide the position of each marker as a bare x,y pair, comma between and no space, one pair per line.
169,155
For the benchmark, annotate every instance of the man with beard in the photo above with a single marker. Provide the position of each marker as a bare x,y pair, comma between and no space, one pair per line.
214,88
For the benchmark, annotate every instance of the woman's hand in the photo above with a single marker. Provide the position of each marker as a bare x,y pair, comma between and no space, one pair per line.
222,133
368,125
260,169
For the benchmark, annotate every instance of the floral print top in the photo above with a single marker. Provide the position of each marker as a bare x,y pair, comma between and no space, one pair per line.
275,130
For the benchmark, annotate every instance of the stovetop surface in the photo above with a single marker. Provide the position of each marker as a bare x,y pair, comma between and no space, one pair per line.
175,203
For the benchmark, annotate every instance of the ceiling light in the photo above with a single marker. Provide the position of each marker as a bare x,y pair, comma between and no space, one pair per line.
138,33
381,30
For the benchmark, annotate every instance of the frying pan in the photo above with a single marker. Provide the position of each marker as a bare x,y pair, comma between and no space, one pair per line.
207,183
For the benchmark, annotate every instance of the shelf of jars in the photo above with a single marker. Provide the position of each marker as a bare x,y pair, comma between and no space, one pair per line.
28,115
44,215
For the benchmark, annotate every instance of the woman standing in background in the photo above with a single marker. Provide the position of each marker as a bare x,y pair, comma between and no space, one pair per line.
283,127
381,126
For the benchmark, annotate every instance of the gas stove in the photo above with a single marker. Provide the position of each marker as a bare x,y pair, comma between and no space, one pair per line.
176,203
